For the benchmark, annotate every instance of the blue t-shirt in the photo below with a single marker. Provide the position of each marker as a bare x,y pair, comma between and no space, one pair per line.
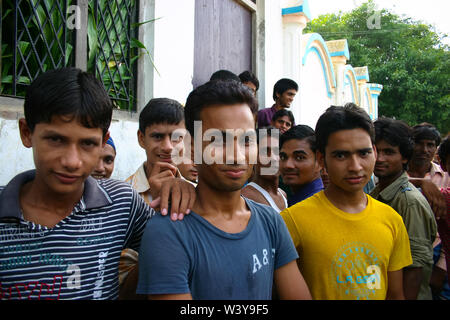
193,256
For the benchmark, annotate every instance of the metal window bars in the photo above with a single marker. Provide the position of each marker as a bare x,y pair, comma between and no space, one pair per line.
37,36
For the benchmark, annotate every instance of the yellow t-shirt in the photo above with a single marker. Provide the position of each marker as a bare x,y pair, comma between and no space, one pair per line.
345,255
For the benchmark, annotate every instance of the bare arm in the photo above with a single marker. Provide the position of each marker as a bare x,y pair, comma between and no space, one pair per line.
395,285
412,278
180,296
433,195
290,284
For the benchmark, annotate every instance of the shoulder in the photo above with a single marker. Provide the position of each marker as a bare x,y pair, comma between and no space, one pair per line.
115,188
383,211
251,193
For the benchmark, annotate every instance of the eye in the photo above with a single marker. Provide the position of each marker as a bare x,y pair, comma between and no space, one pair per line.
283,157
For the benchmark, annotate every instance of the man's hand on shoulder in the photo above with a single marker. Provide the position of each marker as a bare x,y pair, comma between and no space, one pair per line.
180,194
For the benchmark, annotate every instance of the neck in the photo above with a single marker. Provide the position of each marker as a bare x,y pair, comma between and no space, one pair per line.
211,202
418,170
384,182
36,195
278,106
270,183
350,202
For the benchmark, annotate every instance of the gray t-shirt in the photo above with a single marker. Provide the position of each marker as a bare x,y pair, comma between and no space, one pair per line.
193,256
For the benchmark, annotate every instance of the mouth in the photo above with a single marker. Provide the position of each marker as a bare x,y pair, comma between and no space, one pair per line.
289,174
355,180
66,178
164,158
234,173
98,176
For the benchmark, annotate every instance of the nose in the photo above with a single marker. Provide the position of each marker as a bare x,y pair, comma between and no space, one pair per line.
380,156
167,145
355,164
71,160
100,168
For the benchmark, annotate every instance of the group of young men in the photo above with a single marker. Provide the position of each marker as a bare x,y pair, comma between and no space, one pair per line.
66,235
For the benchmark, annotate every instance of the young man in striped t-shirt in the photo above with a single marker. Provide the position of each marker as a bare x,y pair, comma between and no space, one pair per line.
62,231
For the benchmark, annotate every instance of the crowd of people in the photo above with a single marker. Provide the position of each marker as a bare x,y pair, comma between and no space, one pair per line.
259,208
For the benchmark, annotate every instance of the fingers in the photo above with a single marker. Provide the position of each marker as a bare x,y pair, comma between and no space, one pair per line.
159,167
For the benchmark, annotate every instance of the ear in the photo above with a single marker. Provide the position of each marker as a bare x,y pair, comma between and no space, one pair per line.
141,137
25,133
105,138
320,158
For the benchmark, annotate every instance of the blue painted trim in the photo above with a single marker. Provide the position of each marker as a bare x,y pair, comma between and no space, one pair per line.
303,8
375,89
351,87
366,76
318,37
341,53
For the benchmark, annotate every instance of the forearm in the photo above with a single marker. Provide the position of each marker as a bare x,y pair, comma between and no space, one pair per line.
412,279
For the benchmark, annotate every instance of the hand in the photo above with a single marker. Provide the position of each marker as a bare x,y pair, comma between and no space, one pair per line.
434,197
182,197
161,173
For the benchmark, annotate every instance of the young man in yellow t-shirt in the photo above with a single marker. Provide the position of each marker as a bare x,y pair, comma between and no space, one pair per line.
350,245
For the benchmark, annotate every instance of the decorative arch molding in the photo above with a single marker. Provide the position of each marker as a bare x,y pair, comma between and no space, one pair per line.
314,43
349,73
370,108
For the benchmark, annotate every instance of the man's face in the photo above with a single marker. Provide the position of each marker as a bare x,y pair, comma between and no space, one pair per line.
389,162
65,153
251,86
424,151
285,99
229,176
282,123
298,163
157,142
105,165
349,160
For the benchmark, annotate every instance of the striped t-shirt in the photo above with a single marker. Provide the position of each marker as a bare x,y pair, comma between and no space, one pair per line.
76,259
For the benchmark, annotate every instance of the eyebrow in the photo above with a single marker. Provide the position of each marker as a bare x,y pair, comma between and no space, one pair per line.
350,152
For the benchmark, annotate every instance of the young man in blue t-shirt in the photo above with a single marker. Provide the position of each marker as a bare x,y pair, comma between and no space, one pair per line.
62,231
228,247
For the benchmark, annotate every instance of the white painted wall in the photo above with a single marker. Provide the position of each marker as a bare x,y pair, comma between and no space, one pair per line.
174,49
269,42
314,95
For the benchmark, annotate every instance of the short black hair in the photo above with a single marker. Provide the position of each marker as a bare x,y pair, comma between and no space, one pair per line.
444,150
300,132
283,85
284,112
160,110
248,76
68,92
216,93
397,133
224,75
426,131
337,118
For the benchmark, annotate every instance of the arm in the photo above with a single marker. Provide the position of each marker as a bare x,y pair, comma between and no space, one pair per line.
290,284
181,296
433,195
395,285
412,278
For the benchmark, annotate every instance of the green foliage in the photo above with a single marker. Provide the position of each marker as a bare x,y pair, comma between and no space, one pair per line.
407,57
42,36
112,50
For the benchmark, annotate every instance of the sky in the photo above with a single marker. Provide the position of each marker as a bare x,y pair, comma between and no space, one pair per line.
434,12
